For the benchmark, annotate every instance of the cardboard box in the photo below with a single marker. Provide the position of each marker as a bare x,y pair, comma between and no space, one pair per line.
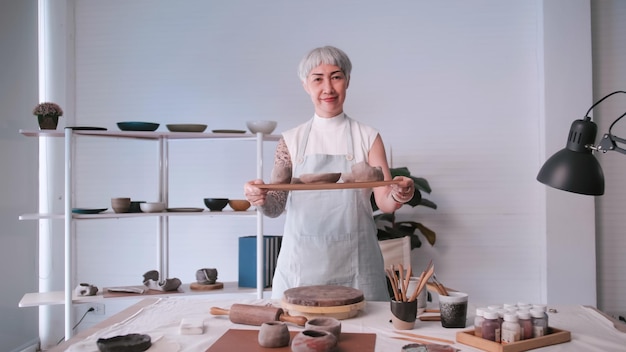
248,260
555,336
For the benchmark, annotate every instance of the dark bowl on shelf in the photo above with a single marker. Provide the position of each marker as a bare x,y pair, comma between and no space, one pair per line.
137,126
216,204
135,206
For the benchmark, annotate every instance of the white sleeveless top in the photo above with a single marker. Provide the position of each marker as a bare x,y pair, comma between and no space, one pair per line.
328,137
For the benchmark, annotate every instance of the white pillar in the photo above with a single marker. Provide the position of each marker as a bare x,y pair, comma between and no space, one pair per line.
55,67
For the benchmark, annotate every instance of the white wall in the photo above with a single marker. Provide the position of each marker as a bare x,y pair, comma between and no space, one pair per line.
460,91
610,75
18,156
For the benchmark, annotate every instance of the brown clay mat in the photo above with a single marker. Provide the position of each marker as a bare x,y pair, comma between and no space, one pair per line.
146,292
247,340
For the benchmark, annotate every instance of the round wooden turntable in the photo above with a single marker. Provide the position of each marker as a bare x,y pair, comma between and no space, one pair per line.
339,302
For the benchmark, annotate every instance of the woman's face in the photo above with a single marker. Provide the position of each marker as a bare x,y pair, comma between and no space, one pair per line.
327,85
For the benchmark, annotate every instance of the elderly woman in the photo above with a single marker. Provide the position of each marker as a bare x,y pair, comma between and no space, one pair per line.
330,235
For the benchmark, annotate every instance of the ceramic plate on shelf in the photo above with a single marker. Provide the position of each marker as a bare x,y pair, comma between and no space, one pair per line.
137,126
185,210
228,131
86,128
88,210
186,127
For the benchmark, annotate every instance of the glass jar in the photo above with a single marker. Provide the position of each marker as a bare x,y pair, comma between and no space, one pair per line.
540,325
491,326
510,329
478,321
526,324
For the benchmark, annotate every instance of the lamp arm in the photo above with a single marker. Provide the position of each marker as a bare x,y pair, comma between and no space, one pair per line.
609,142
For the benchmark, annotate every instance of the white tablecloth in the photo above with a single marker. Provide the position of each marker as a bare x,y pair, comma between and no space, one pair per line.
591,331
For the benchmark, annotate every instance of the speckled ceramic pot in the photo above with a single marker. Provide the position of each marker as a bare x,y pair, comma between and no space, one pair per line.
314,341
329,324
274,334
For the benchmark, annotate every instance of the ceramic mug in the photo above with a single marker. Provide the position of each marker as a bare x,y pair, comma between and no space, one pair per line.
403,314
453,309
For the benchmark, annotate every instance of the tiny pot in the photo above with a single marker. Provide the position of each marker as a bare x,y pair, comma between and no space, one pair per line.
329,324
314,341
274,334
48,122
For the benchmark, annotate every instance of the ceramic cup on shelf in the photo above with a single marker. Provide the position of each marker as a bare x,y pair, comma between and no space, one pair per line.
403,314
453,309
120,204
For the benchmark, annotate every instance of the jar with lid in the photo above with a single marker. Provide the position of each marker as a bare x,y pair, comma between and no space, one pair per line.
478,321
540,325
525,324
544,309
491,326
510,331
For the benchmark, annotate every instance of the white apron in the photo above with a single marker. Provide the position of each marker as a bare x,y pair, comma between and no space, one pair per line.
330,235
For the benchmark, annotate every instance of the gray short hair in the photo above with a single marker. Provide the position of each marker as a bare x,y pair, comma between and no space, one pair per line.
324,55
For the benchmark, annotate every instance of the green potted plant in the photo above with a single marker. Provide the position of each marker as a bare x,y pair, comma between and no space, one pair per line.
389,228
48,115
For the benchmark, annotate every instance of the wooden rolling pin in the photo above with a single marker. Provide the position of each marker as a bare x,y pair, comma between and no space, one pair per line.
256,315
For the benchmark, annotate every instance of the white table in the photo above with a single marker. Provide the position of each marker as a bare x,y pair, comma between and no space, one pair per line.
160,318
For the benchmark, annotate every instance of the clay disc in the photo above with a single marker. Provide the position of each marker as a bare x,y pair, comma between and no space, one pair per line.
200,287
320,178
323,296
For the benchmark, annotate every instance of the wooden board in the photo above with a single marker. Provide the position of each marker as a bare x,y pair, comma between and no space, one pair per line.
323,186
202,287
555,336
323,295
109,294
338,312
247,340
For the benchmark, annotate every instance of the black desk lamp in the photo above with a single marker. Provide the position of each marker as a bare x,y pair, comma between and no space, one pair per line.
575,168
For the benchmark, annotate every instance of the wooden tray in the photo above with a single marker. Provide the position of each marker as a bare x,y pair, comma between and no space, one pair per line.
554,337
247,340
323,186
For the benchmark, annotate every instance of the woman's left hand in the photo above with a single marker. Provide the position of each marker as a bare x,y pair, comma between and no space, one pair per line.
403,191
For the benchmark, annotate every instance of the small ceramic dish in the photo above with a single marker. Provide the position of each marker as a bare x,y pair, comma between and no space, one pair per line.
186,127
137,126
239,204
152,207
88,210
229,131
216,204
185,210
265,127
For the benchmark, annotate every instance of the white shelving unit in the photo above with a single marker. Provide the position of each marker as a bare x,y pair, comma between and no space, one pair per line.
67,297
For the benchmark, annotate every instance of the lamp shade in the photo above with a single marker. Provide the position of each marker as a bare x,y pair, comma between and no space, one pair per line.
575,168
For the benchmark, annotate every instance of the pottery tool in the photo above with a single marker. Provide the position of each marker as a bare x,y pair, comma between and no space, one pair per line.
394,283
423,279
257,315
409,334
441,289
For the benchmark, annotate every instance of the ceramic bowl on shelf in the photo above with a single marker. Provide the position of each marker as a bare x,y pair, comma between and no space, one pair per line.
137,126
215,204
262,126
120,204
239,204
152,207
186,127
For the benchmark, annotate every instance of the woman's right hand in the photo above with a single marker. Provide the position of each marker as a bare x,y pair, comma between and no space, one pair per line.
255,195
